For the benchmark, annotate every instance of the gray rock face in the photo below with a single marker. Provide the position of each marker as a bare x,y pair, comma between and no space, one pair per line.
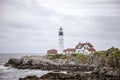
30,78
76,76
36,62
15,61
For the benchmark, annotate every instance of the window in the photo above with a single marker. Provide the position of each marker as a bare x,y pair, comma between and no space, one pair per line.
79,46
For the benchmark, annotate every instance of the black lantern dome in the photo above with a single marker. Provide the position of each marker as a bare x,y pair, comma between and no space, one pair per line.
61,31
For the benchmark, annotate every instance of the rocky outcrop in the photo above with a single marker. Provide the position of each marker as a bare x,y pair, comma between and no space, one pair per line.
44,64
76,76
74,72
56,76
99,66
107,71
30,78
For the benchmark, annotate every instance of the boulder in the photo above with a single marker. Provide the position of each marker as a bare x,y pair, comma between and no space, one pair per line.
14,61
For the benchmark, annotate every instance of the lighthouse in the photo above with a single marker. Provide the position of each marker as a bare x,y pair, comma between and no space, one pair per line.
60,40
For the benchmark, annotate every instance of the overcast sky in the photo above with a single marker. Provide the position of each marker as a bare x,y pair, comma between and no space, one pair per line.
31,26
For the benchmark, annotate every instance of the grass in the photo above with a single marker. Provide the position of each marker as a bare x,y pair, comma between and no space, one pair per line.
81,57
57,56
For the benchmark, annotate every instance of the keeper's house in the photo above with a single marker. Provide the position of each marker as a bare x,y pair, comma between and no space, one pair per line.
52,52
85,48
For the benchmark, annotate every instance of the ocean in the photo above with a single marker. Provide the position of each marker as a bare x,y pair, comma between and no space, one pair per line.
9,73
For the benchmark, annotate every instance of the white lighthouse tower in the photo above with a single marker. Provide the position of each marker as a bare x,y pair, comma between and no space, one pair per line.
60,40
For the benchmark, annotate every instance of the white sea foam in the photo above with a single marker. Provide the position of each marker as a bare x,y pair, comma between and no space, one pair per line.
9,73
65,72
2,67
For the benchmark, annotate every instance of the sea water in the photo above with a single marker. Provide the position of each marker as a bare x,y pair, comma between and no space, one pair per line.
9,73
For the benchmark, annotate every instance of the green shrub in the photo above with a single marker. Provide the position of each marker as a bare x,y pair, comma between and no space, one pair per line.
114,57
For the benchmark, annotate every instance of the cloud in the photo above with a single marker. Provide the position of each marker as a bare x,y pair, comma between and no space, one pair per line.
32,25
83,7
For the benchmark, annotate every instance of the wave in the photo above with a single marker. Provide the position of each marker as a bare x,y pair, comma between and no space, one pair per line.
2,67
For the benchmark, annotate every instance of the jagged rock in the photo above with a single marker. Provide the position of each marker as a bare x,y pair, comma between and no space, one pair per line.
38,63
55,76
113,72
15,61
30,78
75,76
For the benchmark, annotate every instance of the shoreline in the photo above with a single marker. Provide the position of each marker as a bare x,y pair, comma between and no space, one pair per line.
97,66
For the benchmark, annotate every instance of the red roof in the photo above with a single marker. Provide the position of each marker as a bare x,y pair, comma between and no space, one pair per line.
79,44
91,49
70,50
89,44
82,44
52,51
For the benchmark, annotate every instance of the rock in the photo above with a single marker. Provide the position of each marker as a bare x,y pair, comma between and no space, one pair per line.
113,72
15,61
39,63
73,76
107,71
30,78
57,76
100,71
